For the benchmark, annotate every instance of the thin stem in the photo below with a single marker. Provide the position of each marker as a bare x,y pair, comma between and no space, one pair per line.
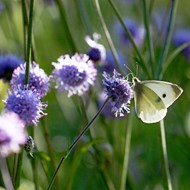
18,169
165,156
126,153
67,31
75,142
108,37
148,35
50,150
35,172
29,41
15,159
130,37
168,37
5,174
25,24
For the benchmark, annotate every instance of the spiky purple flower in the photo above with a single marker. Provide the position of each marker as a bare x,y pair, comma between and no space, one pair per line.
7,65
26,104
74,74
120,92
38,80
97,52
12,134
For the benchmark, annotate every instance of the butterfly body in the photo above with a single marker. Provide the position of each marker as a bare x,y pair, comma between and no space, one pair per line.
152,98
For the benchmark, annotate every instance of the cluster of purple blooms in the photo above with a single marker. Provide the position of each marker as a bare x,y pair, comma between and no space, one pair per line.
72,74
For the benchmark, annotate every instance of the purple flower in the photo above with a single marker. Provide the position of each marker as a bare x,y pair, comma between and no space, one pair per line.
7,65
26,104
97,52
120,92
181,37
12,134
137,32
74,74
38,80
107,111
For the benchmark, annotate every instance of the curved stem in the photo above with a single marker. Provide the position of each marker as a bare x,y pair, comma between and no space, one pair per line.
50,150
130,37
165,156
75,142
126,153
148,35
168,37
5,174
67,31
108,37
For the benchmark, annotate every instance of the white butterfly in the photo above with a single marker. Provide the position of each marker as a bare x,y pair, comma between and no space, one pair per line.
152,98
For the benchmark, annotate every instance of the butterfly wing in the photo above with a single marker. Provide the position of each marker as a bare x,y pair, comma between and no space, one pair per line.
148,105
168,92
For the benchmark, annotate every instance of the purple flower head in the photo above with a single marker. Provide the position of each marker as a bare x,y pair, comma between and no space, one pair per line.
120,92
12,133
38,80
181,37
74,74
110,64
137,32
107,111
7,65
97,52
26,104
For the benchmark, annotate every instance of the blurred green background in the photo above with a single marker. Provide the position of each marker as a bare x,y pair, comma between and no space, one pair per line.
88,167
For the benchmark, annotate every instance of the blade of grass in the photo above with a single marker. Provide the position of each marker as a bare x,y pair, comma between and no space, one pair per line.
108,37
148,35
168,36
126,152
29,41
172,56
165,155
141,62
67,31
5,174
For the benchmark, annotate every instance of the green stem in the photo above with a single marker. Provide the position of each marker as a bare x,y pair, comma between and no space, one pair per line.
75,142
103,171
67,31
15,159
130,37
25,24
29,41
35,172
18,170
148,35
50,150
108,37
5,174
168,37
165,156
126,153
